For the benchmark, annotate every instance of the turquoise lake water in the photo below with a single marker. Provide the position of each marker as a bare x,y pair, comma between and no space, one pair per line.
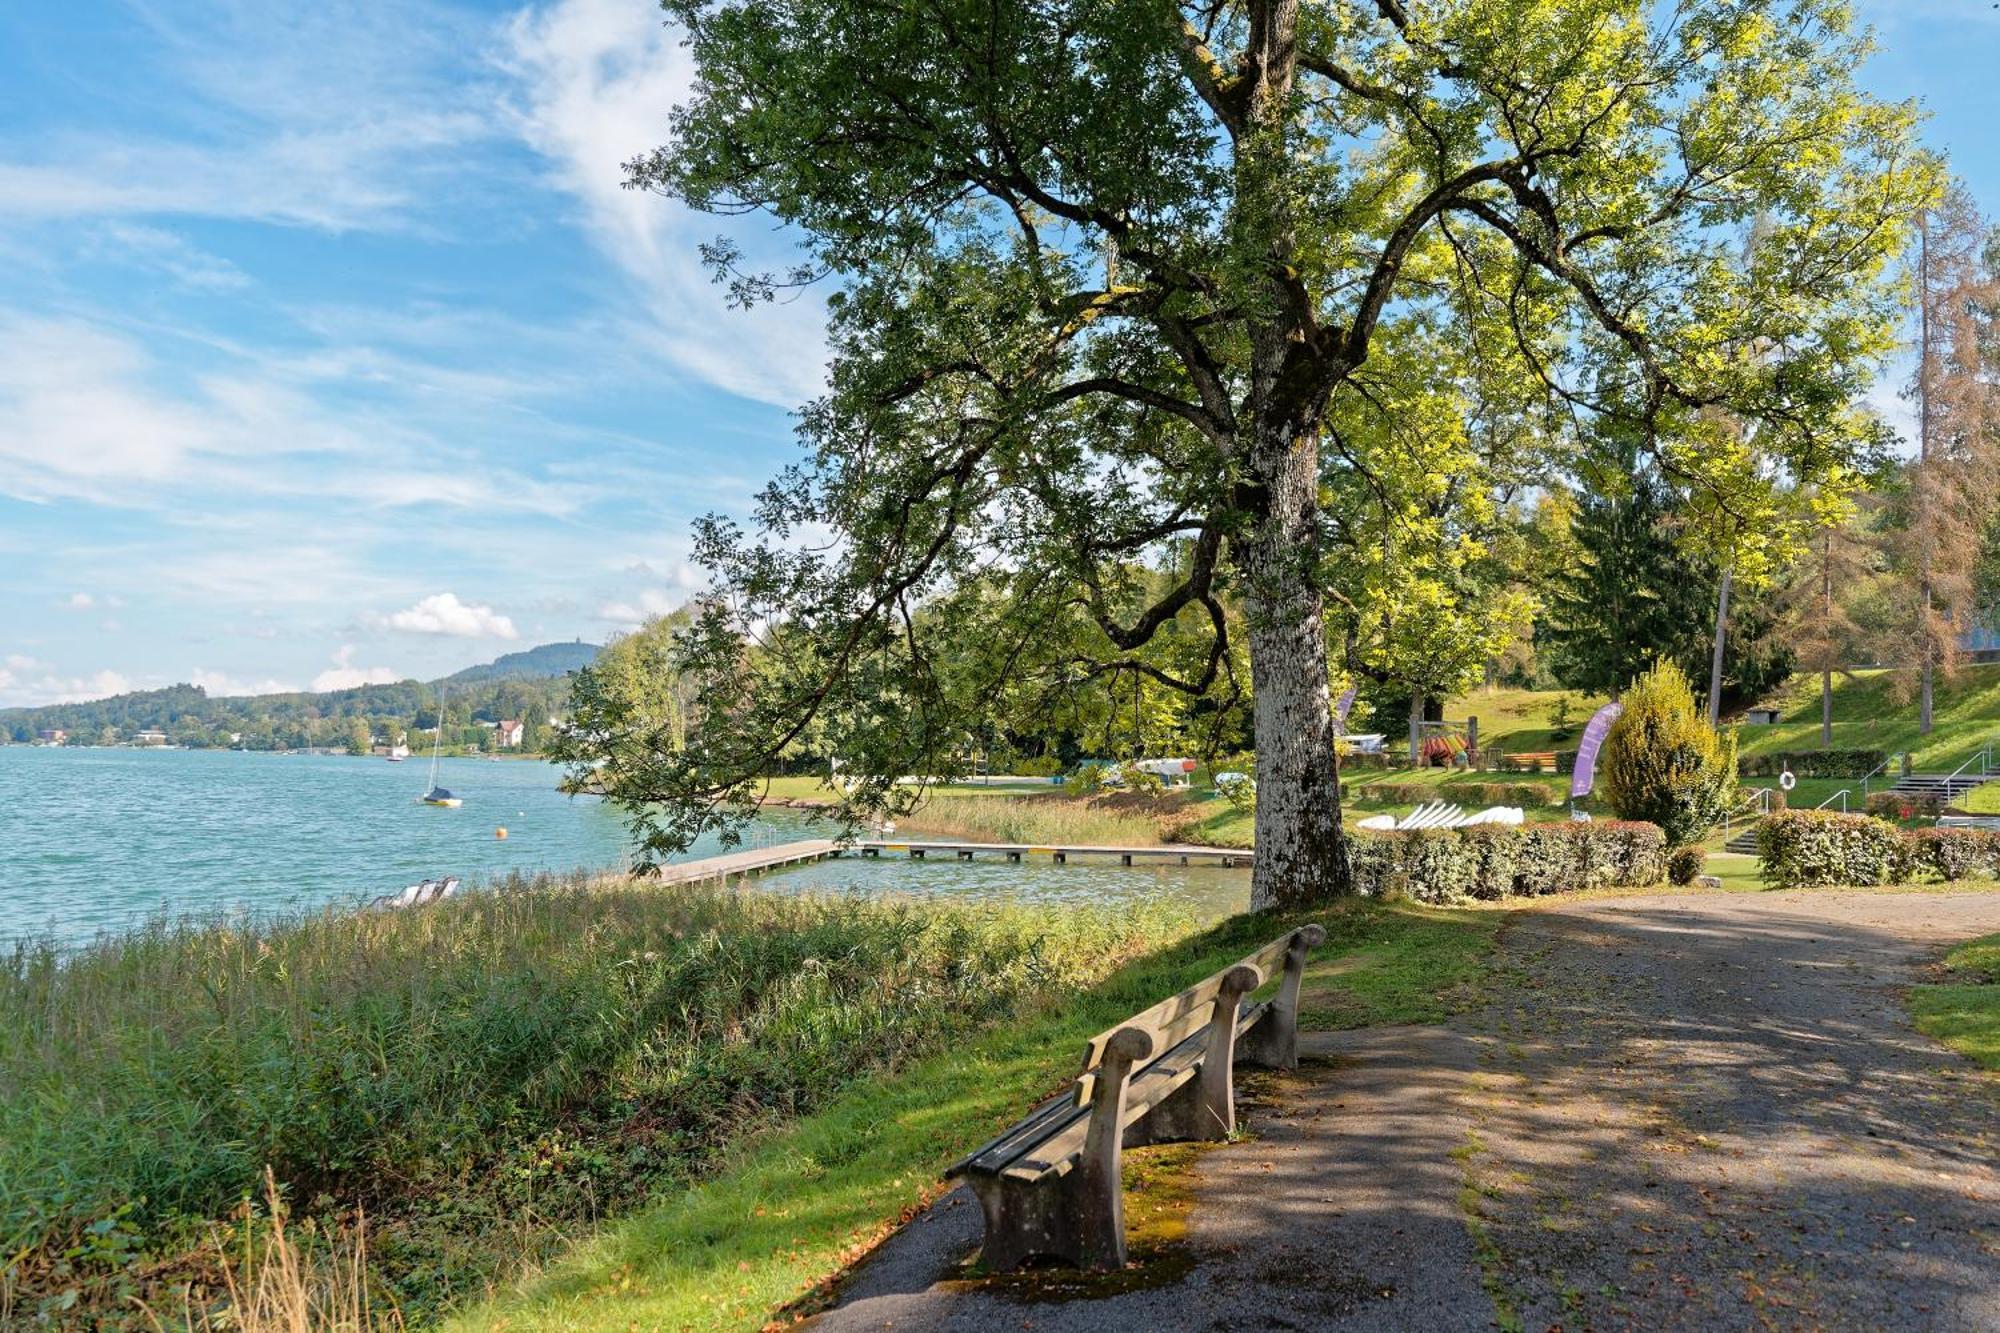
96,840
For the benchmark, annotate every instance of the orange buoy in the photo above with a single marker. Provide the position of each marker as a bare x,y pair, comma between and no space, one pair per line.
500,833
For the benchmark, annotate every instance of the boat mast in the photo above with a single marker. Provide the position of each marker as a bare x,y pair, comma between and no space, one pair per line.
437,740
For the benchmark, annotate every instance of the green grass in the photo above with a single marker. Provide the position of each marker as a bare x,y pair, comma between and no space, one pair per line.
480,1076
1963,1012
798,1205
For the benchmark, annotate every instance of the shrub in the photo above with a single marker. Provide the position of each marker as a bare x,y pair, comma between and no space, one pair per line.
1239,789
1904,805
1684,864
1813,763
1663,763
1499,861
1953,853
1809,848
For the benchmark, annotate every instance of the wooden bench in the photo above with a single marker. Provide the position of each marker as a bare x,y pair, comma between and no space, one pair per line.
1535,761
1049,1185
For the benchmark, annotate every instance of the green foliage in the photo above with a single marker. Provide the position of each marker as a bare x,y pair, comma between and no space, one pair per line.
1964,1011
1684,864
1501,861
1809,848
1561,725
1812,763
1663,763
560,1049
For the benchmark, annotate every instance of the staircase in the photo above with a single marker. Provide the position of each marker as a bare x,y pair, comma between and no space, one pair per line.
1945,790
1744,840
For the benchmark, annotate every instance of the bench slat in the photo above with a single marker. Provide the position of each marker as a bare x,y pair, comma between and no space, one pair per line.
1058,1153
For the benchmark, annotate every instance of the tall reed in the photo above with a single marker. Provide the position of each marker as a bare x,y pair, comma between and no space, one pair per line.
584,1042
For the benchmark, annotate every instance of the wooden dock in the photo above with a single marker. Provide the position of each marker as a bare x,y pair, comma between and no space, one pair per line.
1184,853
819,849
750,862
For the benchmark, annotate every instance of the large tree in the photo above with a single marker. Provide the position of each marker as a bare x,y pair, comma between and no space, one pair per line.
1952,481
1104,271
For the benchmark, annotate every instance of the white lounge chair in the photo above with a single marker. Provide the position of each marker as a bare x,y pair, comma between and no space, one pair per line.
1439,814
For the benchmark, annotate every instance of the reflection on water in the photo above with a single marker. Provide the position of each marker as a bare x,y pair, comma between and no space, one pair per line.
93,841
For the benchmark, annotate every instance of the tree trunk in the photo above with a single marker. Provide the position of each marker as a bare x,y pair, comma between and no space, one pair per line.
1299,853
1715,662
1826,648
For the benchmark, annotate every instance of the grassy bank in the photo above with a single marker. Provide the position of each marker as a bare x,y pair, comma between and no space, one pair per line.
477,1077
756,1242
1963,1011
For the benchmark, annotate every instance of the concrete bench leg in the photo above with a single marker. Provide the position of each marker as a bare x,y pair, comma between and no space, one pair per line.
1078,1217
1205,1106
1274,1042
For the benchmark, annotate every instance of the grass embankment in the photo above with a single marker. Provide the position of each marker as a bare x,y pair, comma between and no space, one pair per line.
480,1076
1963,1011
798,1205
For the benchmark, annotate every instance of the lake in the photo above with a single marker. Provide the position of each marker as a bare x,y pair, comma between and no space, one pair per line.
95,840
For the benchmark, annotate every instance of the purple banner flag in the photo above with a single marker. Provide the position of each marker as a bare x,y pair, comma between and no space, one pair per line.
1594,733
1340,709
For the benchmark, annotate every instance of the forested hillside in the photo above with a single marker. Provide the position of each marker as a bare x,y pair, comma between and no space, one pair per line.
530,686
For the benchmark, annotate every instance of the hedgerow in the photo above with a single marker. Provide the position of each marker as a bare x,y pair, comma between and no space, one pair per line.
1813,848
1501,861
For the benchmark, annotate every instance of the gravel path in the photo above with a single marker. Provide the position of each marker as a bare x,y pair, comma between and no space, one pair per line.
1700,1112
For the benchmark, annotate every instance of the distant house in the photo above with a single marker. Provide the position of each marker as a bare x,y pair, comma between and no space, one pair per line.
52,736
149,737
508,734
1762,717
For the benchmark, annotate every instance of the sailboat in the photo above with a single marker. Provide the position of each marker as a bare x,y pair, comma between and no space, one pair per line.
437,795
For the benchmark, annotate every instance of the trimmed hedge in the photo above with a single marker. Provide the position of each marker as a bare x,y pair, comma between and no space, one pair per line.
1816,848
1525,794
1813,763
1684,864
1501,861
1904,805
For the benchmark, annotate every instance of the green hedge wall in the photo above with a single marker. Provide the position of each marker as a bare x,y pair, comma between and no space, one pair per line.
1812,763
1815,848
1525,794
1499,861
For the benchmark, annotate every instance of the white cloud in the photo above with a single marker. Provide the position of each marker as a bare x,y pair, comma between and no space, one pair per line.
639,609
81,601
598,80
443,613
161,251
344,675
219,684
21,662
18,689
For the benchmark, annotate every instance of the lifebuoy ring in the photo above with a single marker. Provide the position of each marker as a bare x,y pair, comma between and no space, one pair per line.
1788,780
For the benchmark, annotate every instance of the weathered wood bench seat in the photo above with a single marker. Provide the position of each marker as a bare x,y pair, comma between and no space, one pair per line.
1049,1184
1535,761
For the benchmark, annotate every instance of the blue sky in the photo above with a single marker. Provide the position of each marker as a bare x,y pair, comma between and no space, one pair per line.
331,349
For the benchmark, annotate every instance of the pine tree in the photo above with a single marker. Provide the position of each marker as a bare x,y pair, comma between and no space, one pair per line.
1663,763
1633,594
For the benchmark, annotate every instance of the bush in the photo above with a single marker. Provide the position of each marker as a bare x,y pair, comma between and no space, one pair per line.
1500,861
1904,805
1809,848
1528,795
1684,865
1663,763
1953,853
1239,789
1813,763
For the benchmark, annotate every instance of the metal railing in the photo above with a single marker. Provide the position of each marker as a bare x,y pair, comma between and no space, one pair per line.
1866,777
1840,796
1759,798
1984,758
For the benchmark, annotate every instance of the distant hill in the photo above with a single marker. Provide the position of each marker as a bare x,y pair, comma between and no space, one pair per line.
532,685
542,663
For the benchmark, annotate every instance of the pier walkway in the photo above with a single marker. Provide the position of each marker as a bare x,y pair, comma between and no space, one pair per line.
757,860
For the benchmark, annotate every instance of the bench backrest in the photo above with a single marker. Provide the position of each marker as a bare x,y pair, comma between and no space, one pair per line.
1178,1017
